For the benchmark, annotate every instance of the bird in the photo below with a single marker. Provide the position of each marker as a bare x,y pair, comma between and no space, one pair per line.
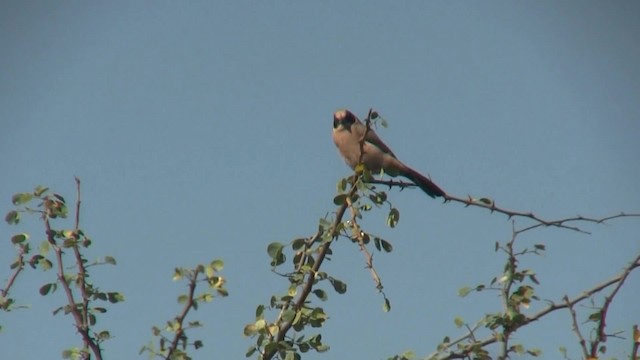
348,133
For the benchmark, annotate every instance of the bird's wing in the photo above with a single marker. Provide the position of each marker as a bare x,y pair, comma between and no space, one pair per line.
373,139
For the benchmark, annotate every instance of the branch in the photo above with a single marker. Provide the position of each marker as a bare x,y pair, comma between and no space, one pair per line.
20,261
635,339
553,307
82,271
81,319
322,253
600,335
183,315
576,328
491,206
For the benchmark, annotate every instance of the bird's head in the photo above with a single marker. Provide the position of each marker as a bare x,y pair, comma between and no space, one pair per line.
343,118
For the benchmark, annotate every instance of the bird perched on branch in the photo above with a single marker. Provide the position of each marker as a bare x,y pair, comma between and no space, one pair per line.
348,133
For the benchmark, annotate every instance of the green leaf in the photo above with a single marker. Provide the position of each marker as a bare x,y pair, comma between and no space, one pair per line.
518,348
217,265
393,217
45,264
341,186
386,245
47,288
386,307
288,315
596,316
19,238
298,243
115,297
110,260
534,352
274,250
12,217
260,312
340,199
293,290
40,190
464,291
321,294
182,299
251,350
339,286
250,330
21,198
376,242
178,273
198,344
458,321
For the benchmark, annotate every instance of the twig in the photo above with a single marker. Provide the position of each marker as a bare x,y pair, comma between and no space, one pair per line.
600,334
82,272
183,315
635,340
576,328
5,292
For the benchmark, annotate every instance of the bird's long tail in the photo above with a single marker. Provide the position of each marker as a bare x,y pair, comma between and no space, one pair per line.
424,183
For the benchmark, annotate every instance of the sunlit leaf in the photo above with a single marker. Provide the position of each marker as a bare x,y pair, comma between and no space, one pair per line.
458,321
39,190
177,274
217,265
115,297
464,291
393,217
21,198
386,307
250,330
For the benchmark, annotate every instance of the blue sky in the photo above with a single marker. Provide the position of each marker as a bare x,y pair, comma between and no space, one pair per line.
202,130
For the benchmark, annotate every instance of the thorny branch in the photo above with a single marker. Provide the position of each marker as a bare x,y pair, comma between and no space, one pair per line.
551,308
491,206
601,337
576,327
80,315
